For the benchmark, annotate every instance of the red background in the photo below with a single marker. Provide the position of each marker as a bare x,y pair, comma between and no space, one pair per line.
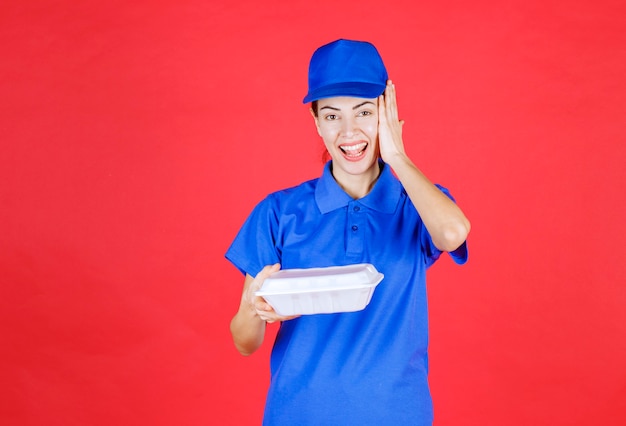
137,136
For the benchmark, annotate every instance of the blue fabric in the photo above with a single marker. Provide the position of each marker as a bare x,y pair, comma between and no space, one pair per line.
346,68
360,368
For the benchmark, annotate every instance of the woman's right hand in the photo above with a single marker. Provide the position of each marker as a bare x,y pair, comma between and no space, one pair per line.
263,309
248,325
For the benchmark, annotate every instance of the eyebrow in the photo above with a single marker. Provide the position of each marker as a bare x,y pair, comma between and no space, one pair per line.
354,107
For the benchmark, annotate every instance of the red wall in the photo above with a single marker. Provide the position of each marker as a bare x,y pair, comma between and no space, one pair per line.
137,136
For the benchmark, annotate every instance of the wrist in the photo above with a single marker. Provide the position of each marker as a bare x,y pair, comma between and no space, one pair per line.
397,160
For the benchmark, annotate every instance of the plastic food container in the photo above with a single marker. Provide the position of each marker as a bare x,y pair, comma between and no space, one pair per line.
321,290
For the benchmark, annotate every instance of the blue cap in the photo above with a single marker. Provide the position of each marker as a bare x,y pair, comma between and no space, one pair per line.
346,68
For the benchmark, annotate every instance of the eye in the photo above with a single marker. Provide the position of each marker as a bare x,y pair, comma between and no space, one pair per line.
330,117
364,113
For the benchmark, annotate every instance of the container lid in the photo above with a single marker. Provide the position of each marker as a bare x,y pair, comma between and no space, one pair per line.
307,280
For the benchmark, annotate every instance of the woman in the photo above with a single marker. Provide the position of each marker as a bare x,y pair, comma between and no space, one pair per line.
366,367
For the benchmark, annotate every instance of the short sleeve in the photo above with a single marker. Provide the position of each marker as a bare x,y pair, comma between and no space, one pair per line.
432,253
254,247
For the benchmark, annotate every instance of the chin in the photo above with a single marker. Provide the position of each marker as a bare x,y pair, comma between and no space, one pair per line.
361,166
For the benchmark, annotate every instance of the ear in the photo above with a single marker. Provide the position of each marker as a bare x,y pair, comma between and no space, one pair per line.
317,121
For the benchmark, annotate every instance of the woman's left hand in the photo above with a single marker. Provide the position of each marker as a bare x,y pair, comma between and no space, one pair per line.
389,126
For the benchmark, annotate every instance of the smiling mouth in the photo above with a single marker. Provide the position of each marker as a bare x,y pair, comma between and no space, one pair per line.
354,150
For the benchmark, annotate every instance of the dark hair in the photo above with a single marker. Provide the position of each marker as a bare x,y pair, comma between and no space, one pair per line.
314,107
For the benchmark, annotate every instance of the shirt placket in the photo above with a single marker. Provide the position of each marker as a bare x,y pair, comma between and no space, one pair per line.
355,229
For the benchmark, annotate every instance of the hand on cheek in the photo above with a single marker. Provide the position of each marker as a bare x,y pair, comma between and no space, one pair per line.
389,126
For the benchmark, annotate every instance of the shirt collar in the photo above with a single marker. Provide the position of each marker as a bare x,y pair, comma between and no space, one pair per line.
383,197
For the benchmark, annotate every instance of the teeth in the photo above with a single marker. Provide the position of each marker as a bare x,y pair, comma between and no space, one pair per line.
354,148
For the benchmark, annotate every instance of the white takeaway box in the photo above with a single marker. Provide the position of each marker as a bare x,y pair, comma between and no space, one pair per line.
321,290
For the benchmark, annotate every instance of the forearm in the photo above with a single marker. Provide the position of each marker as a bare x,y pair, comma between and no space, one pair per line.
247,329
444,220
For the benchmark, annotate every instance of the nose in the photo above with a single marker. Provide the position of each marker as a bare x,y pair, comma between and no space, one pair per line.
348,127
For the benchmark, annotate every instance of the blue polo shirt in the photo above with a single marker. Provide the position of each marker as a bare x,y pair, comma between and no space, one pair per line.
359,368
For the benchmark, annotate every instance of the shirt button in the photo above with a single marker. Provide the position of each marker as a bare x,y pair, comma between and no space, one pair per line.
357,208
355,228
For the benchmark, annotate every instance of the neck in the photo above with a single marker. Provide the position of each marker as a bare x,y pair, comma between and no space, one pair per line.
358,186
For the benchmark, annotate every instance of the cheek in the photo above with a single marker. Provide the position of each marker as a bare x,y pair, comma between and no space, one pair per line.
328,133
372,130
